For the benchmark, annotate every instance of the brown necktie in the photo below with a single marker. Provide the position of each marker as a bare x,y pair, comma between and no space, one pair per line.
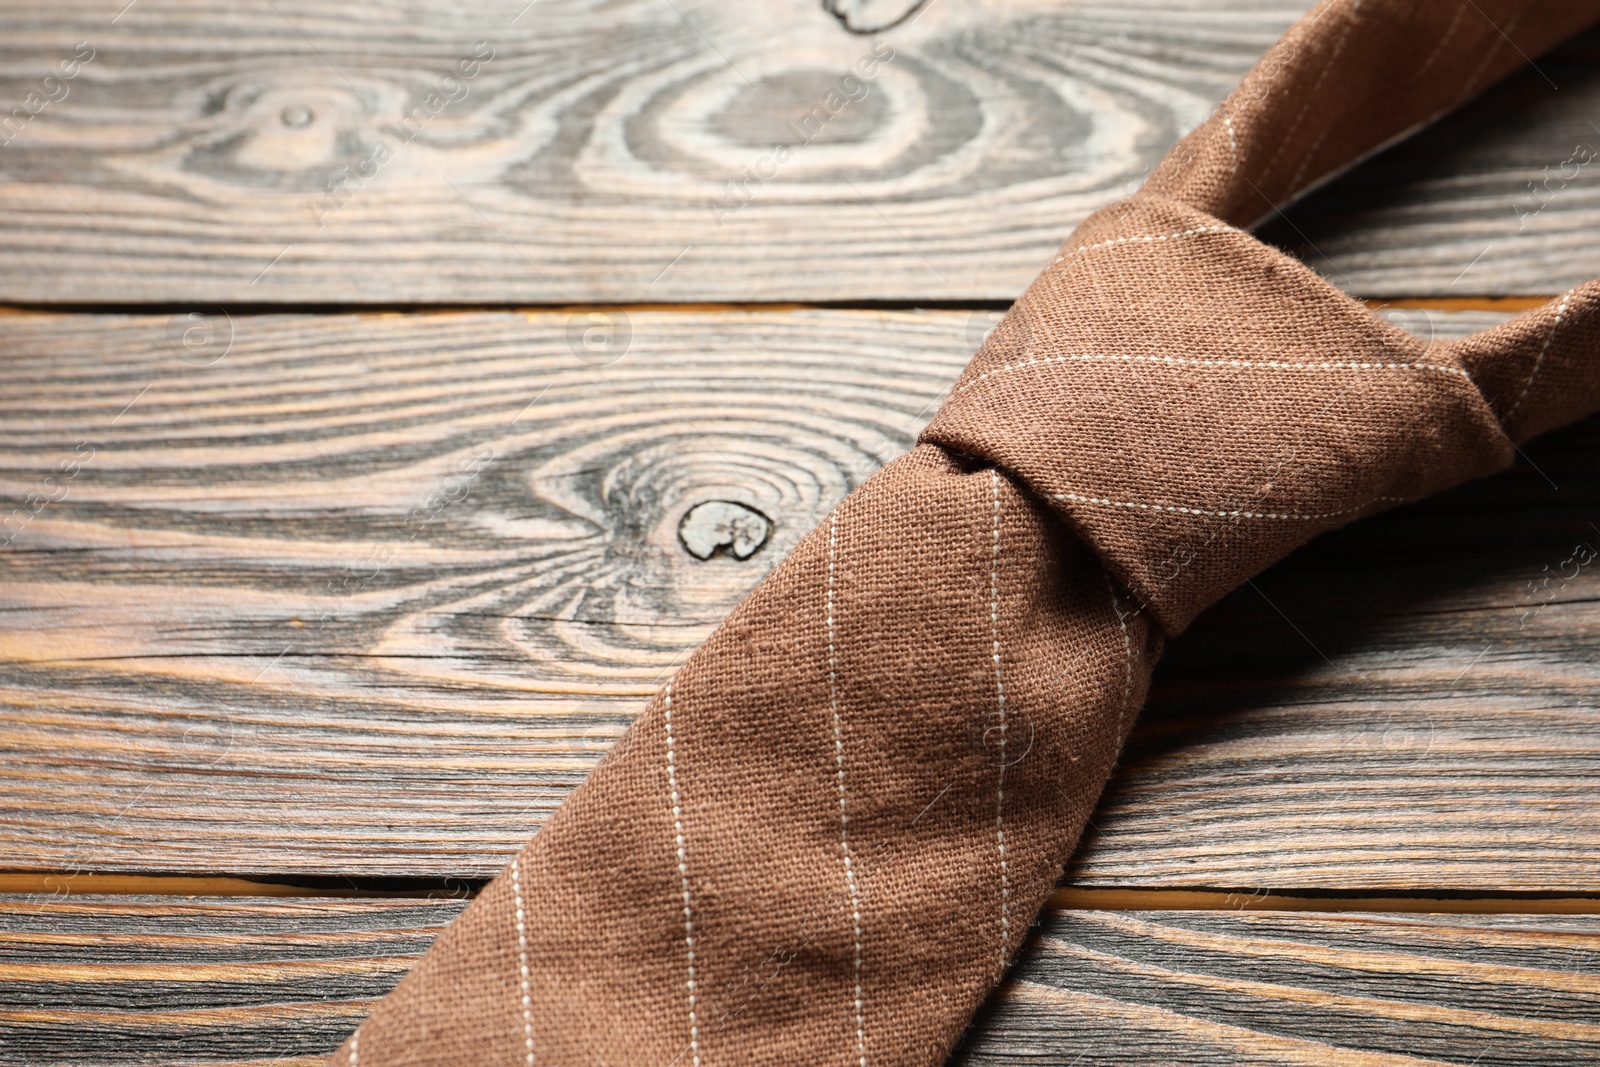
824,840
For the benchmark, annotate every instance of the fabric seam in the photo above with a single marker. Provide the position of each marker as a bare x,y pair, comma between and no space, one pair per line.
1127,647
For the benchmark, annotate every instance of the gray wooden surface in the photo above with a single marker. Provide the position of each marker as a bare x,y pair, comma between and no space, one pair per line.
571,151
361,565
154,979
1232,989
348,602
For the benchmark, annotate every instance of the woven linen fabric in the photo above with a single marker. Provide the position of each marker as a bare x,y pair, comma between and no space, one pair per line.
824,840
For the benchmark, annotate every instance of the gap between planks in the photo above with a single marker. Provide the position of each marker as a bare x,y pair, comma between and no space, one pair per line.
1505,304
1066,898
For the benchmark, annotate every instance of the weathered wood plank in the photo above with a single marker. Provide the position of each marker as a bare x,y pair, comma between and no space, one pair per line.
1198,988
592,147
366,583
368,595
568,151
142,980
135,980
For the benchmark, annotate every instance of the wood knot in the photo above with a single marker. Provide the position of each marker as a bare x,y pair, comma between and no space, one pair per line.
714,525
872,16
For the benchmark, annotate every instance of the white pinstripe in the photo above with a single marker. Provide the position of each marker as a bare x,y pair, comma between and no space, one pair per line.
1184,361
1106,502
844,816
1561,313
1000,703
1233,142
1146,240
683,876
522,960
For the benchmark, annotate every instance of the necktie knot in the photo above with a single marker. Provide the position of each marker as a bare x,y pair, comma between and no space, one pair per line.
1196,404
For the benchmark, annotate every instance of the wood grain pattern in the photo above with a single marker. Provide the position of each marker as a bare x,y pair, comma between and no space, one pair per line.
206,981
1201,988
297,604
365,566
606,152
367,595
141,980
573,151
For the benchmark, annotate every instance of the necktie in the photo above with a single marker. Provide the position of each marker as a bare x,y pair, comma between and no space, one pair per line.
824,840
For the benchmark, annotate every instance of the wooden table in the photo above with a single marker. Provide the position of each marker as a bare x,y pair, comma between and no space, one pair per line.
364,363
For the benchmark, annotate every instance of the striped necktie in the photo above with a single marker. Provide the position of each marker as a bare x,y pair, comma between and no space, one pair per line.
824,840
